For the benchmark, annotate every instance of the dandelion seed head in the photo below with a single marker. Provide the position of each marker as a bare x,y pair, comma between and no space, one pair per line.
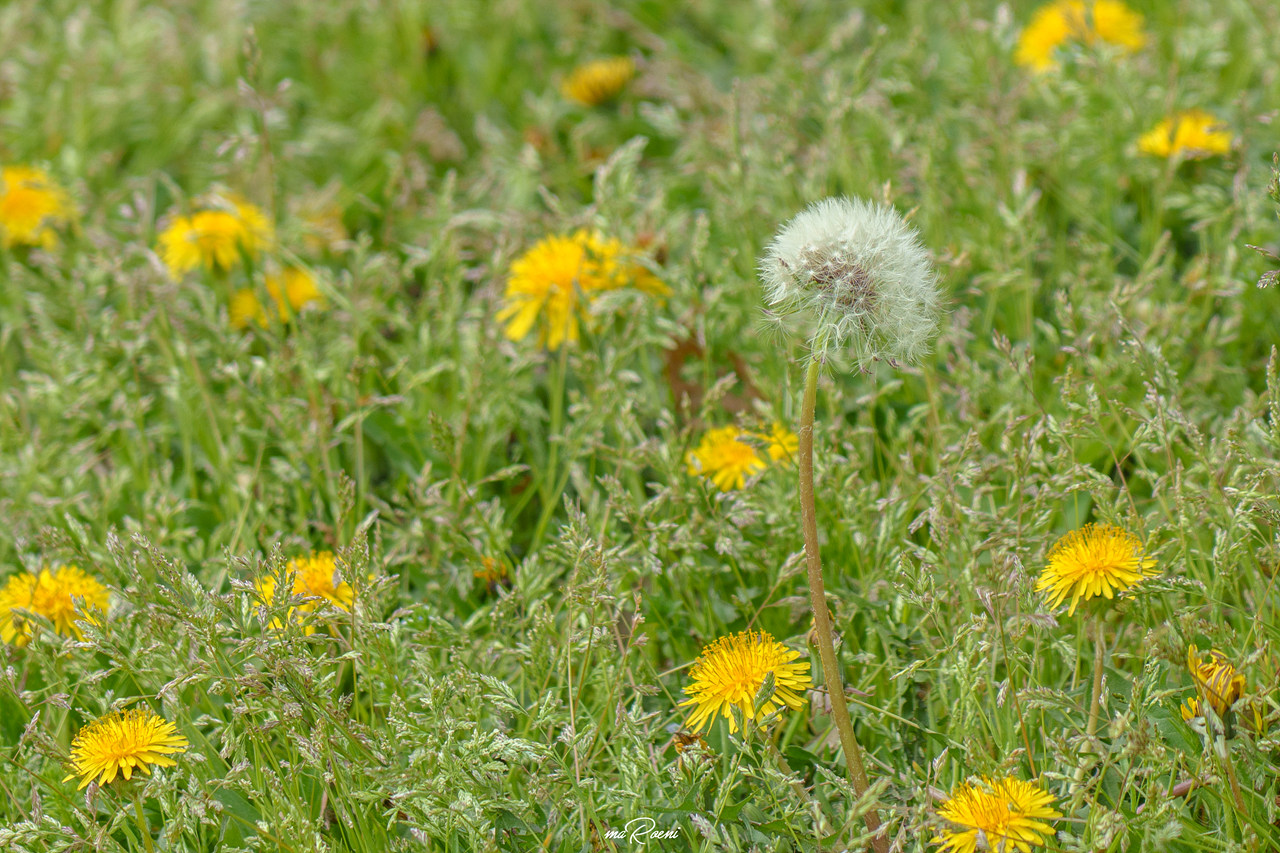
855,274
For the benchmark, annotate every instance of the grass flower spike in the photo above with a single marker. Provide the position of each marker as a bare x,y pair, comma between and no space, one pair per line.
316,579
1190,135
730,672
724,458
598,82
61,595
122,742
31,207
1005,815
1096,560
857,273
1075,21
213,238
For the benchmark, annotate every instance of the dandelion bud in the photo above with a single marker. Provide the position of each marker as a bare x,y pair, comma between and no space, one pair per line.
856,275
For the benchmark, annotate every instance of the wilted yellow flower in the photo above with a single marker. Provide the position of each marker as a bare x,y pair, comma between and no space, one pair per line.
1217,681
997,814
724,458
782,443
1081,21
121,742
215,237
731,671
553,283
31,206
61,595
316,579
1097,559
599,81
1190,134
1220,685
299,291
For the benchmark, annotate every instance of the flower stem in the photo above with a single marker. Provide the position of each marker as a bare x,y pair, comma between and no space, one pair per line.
142,820
1099,662
1095,704
821,616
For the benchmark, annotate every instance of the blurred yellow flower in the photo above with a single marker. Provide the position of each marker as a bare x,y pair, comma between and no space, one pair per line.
31,206
214,237
782,443
594,83
61,595
493,574
299,292
121,742
1088,23
730,672
996,814
553,283
1190,134
316,579
724,458
1097,559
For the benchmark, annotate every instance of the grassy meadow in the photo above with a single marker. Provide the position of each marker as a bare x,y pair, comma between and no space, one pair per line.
408,566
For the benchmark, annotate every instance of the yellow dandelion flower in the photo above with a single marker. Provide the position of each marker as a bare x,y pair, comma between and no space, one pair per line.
316,579
553,283
730,672
1190,709
598,82
1190,135
1088,23
61,595
245,309
122,742
298,288
31,206
1097,559
214,237
997,814
724,458
782,443
615,266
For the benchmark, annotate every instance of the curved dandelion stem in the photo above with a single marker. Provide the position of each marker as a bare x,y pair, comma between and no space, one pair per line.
143,827
818,597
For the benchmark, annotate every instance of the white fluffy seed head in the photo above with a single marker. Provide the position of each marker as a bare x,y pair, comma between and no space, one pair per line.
856,275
